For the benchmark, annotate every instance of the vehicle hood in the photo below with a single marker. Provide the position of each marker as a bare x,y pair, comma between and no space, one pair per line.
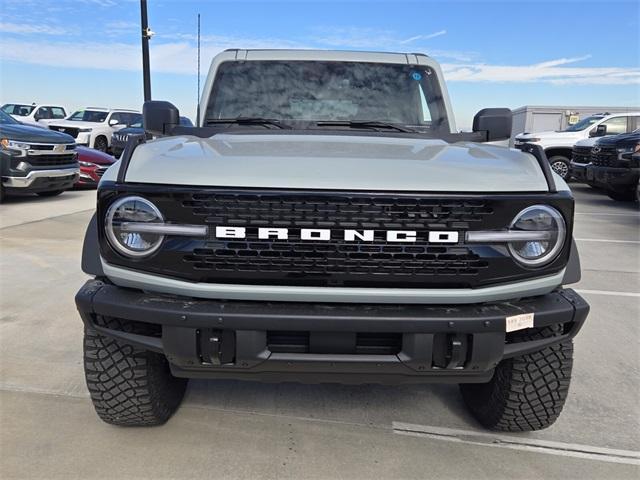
339,162
621,140
75,124
94,156
130,131
550,134
586,142
27,133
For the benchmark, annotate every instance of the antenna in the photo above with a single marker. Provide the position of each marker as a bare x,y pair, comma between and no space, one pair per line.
198,95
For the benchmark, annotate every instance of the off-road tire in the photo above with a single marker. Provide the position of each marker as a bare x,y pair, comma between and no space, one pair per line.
50,193
101,144
526,392
129,386
561,166
624,196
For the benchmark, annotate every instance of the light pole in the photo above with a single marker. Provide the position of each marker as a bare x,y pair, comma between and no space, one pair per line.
146,35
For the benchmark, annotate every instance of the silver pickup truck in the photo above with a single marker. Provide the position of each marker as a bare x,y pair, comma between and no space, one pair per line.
326,222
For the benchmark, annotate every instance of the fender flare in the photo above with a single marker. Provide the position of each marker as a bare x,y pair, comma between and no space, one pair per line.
573,273
91,263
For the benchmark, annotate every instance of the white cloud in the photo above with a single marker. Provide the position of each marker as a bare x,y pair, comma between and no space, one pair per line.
23,28
552,71
423,37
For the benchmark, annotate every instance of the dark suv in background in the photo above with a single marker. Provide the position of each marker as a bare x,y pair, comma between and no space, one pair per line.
615,166
35,159
119,138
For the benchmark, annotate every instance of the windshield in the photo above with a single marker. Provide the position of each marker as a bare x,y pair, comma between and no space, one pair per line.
88,116
6,119
16,109
312,91
584,123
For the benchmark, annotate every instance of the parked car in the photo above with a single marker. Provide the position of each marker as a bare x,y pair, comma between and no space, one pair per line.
35,159
326,222
120,138
94,127
35,114
558,146
93,164
615,166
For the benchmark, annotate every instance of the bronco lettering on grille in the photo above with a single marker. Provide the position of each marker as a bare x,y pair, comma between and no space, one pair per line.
323,234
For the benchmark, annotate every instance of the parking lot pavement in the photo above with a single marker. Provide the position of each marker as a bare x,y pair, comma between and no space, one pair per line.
248,430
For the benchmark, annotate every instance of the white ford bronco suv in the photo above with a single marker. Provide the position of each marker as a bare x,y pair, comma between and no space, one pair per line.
324,222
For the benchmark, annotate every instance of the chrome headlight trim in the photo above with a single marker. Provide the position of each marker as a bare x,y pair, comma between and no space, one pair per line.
552,253
111,236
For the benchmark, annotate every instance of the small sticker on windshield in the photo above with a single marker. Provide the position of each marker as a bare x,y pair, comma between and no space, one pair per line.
416,76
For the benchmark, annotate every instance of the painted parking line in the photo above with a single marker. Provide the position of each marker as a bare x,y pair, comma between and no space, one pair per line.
607,292
609,214
605,240
602,454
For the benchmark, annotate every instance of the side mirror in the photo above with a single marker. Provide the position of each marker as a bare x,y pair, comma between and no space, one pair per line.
496,122
159,117
599,131
113,122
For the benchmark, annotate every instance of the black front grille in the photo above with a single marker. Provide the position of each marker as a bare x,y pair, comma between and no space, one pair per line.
311,258
343,212
604,157
581,154
73,131
334,262
100,171
303,257
52,160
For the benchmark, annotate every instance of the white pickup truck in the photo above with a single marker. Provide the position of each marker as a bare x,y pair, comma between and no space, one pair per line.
39,115
558,145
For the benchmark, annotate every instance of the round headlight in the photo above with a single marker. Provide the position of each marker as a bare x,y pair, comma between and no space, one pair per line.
129,210
549,222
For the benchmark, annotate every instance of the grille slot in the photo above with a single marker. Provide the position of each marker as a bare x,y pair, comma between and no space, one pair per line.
52,160
366,343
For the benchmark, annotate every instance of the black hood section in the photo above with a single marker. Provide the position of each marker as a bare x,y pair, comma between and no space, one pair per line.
621,140
25,133
131,131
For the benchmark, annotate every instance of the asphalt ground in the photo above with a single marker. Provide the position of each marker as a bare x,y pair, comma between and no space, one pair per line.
232,429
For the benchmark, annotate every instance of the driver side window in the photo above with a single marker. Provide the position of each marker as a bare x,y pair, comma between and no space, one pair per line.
616,125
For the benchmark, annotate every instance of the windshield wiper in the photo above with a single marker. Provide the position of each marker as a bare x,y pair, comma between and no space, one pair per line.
266,122
371,124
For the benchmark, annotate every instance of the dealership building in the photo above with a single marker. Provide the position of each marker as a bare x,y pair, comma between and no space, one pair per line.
533,119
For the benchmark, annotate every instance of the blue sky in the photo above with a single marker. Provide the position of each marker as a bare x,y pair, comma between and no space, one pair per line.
87,52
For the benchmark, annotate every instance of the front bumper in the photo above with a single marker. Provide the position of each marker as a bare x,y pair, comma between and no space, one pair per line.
43,180
244,340
612,177
578,171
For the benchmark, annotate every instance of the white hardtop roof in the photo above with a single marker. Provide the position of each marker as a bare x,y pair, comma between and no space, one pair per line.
327,55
